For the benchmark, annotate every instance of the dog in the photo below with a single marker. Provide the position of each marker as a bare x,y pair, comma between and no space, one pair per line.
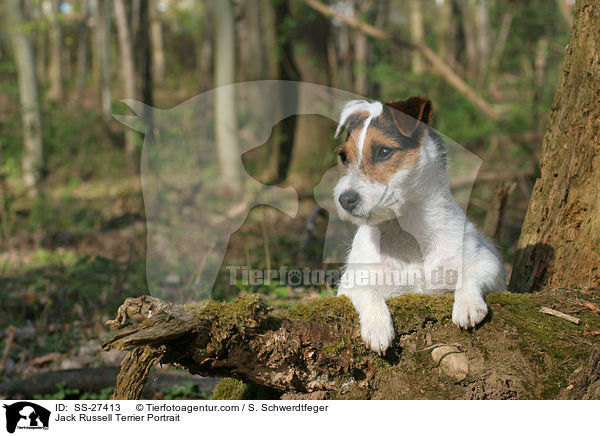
410,230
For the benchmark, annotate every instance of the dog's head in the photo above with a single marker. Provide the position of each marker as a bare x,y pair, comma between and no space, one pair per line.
383,155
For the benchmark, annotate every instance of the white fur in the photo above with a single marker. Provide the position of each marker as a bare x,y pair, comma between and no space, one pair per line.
413,226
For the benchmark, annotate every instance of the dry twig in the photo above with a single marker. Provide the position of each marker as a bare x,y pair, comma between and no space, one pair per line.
558,314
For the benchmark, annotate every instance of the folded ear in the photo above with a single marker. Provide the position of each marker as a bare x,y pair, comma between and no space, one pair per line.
418,109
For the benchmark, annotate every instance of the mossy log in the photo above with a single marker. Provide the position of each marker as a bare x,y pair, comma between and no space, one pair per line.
313,350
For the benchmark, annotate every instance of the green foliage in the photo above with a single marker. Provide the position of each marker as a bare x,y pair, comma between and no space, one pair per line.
64,393
187,391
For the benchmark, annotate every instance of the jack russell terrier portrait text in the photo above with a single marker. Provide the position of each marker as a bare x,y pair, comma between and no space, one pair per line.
412,237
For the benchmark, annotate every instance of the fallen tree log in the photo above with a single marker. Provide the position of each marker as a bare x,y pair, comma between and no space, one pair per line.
314,350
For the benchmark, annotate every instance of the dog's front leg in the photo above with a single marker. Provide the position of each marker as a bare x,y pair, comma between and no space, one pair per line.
376,327
478,277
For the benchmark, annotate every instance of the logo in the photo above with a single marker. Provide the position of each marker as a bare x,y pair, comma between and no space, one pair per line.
26,415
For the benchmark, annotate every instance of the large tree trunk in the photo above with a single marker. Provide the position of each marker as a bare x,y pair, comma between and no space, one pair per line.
314,350
560,240
128,75
225,114
33,150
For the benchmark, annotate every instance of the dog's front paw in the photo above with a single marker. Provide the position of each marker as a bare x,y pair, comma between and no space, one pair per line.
377,333
469,310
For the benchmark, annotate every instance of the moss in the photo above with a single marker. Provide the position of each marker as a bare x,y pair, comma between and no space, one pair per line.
233,389
324,308
414,309
230,389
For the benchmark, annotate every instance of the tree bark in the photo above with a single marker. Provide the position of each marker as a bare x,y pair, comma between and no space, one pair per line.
128,75
560,240
33,162
55,68
314,350
225,115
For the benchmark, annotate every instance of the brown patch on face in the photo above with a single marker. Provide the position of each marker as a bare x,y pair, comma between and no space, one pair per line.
401,157
353,127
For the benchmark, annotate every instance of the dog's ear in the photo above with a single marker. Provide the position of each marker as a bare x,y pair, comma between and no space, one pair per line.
418,109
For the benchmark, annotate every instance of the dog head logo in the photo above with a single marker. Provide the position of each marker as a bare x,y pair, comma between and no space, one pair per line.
26,415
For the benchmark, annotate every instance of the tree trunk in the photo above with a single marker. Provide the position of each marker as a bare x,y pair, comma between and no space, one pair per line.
469,34
314,350
101,13
55,69
158,52
33,151
482,22
128,75
560,241
446,29
272,63
311,133
143,51
225,114
417,32
41,42
82,45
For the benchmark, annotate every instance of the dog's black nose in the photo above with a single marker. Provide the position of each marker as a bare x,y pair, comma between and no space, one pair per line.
349,200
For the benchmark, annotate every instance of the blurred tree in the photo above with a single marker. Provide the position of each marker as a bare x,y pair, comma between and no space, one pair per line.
471,60
560,240
128,75
262,62
446,30
311,134
101,17
143,59
55,69
82,49
225,107
482,26
33,151
158,52
417,33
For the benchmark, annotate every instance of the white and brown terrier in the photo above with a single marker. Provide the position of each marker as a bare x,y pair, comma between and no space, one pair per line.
396,190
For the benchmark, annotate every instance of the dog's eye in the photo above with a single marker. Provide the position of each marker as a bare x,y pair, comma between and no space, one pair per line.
381,154
343,157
